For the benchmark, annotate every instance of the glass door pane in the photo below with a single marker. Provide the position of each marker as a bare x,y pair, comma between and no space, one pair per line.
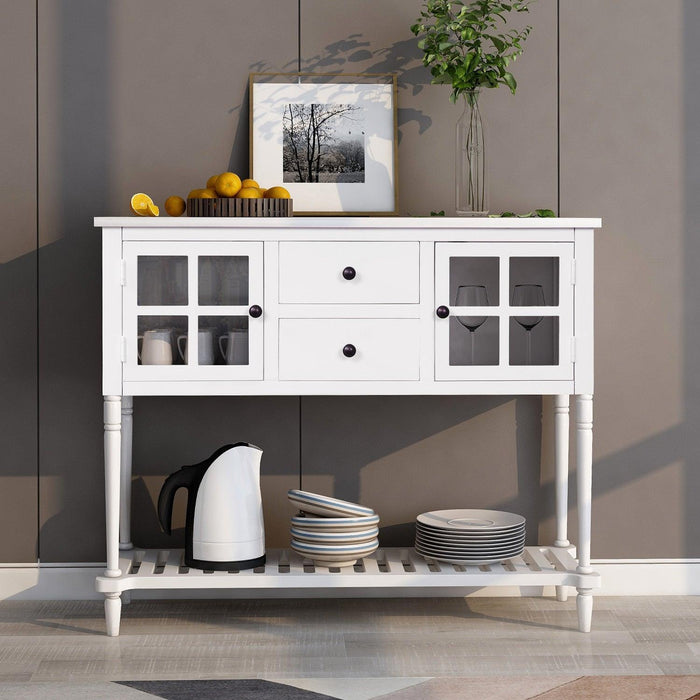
224,280
533,336
162,280
474,334
224,340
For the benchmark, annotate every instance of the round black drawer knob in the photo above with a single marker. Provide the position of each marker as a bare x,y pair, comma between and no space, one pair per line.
255,311
349,350
349,273
442,312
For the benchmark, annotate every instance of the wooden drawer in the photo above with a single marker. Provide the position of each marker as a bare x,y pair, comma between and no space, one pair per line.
312,349
312,272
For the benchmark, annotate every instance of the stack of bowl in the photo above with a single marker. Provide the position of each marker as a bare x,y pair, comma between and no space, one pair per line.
332,532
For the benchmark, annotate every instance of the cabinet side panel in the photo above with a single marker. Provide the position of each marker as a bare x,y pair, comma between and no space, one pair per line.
111,312
583,312
18,375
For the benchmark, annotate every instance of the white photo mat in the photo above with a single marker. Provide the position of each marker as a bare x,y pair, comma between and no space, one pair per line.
375,104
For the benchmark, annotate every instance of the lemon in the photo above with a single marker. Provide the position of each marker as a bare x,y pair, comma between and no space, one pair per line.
248,182
139,204
211,182
175,206
209,193
262,191
277,193
152,210
228,184
249,193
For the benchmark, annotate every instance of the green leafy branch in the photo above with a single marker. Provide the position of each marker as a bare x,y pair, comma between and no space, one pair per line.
466,45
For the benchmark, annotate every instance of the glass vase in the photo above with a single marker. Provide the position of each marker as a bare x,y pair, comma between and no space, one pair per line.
470,165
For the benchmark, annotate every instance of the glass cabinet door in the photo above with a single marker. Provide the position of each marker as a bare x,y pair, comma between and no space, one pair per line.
504,311
193,310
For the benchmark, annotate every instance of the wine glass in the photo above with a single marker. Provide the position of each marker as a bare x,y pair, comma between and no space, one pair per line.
471,295
528,295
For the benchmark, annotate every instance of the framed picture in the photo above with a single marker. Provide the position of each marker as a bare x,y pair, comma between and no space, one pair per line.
328,139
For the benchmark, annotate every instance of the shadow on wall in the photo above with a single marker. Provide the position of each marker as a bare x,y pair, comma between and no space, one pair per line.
348,55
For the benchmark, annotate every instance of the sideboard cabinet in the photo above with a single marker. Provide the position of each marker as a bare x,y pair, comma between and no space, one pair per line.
347,306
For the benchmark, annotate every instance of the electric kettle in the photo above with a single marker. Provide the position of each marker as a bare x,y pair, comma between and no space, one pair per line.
224,528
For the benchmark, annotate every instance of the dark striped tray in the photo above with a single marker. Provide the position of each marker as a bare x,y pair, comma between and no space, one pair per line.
230,206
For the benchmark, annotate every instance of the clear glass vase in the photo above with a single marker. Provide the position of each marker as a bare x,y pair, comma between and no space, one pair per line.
470,165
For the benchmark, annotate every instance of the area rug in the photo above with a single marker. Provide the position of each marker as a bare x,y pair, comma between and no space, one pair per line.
408,688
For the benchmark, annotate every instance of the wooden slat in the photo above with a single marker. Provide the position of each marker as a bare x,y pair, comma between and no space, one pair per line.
563,561
172,565
537,558
148,564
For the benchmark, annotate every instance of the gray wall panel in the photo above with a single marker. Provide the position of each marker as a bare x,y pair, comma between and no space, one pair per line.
623,152
154,105
18,404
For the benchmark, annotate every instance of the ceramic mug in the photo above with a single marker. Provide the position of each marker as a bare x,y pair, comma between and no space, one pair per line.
156,347
205,347
234,346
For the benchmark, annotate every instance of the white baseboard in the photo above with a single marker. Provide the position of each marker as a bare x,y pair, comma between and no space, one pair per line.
627,577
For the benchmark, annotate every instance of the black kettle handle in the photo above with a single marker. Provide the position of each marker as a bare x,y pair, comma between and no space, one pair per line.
183,478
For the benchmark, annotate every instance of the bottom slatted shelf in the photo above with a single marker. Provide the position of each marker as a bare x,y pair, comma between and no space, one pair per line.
390,571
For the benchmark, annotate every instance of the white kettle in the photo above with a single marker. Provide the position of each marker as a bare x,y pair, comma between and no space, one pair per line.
224,528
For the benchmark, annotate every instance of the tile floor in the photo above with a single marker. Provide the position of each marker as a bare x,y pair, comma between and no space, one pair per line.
352,649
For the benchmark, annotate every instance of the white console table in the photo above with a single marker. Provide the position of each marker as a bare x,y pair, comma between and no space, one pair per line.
342,306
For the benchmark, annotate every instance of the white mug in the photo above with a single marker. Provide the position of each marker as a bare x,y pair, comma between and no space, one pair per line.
156,348
205,349
236,350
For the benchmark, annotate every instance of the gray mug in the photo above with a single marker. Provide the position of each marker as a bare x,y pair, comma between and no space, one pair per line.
205,347
235,351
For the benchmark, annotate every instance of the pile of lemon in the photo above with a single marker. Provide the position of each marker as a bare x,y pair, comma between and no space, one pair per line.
223,185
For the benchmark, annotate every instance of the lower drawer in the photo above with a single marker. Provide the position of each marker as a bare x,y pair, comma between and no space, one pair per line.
322,349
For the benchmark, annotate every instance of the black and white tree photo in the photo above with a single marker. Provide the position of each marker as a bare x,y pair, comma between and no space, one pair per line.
323,143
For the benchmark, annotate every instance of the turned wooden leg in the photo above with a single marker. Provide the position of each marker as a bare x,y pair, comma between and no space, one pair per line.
561,476
112,439
113,611
584,476
125,474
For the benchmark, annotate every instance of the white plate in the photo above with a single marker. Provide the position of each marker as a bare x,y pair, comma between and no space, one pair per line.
350,537
316,549
471,520
470,551
468,562
471,547
469,554
325,505
443,536
335,524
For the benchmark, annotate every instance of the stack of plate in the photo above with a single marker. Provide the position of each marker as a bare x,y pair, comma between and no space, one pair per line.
344,532
470,536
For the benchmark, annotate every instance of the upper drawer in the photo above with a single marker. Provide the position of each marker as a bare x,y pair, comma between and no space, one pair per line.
384,273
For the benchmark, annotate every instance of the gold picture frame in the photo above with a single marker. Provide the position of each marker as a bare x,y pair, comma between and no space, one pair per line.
336,190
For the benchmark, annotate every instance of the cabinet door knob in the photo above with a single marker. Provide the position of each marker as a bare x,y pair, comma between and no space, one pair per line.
349,350
349,273
255,311
442,312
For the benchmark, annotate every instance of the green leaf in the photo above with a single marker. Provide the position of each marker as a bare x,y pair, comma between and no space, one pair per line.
507,215
545,213
500,45
509,80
